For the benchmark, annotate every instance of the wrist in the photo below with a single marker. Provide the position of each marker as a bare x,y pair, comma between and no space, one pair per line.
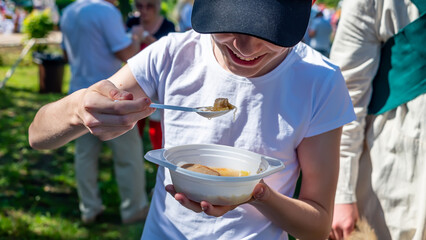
76,118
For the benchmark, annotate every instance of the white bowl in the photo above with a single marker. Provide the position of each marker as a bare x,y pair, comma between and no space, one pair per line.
217,190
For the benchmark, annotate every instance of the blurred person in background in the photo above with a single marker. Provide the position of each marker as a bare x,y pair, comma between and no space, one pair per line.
183,13
155,26
320,34
379,45
95,44
7,16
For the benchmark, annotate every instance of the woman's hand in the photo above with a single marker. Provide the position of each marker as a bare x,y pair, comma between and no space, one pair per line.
261,190
137,33
108,112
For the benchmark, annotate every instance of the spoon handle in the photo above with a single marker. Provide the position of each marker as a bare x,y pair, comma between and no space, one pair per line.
179,108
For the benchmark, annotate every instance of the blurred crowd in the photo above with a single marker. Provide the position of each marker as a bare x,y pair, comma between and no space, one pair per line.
322,27
11,17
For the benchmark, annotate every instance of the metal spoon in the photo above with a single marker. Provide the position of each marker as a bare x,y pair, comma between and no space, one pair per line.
203,111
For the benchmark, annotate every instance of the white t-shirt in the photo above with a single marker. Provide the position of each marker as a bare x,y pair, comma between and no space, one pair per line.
93,31
304,96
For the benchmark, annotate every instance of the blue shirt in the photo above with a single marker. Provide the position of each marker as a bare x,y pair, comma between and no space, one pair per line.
93,31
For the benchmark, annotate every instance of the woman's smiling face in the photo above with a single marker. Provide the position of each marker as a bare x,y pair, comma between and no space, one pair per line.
245,55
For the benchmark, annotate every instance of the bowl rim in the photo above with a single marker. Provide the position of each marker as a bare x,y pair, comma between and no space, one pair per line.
158,157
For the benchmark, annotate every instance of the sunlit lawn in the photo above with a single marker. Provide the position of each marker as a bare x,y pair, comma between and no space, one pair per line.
38,198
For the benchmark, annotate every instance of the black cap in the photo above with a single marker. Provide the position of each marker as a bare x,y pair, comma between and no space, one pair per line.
281,22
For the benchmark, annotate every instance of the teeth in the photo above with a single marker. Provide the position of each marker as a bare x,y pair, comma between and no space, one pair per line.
243,58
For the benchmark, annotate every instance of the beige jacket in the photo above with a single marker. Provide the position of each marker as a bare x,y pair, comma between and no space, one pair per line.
390,188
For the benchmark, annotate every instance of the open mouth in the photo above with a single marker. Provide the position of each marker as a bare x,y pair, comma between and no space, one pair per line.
244,60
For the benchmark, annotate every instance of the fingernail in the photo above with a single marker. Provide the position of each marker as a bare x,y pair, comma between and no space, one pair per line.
204,209
147,100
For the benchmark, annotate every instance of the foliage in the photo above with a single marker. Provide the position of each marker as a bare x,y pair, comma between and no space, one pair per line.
38,24
38,197
329,3
167,8
125,8
61,4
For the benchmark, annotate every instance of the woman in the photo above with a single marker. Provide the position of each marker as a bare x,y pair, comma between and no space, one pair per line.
155,26
148,16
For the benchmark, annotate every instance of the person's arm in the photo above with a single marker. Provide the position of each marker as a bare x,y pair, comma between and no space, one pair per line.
148,39
308,217
356,51
92,109
134,47
311,32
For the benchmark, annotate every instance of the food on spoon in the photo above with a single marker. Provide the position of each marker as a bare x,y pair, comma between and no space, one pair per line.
220,104
225,172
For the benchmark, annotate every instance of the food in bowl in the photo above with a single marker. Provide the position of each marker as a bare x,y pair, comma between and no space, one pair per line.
215,171
218,190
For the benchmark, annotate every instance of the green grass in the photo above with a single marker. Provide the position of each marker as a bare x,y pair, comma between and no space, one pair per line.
38,198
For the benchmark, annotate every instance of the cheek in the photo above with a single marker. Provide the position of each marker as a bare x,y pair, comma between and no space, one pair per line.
222,38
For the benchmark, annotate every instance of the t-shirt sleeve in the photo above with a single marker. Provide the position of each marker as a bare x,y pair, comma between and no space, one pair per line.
149,65
114,32
332,106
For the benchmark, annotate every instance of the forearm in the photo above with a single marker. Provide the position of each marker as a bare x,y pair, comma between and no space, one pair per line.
302,219
130,50
356,51
57,123
309,216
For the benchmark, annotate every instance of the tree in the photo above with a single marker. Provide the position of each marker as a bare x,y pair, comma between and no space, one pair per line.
125,8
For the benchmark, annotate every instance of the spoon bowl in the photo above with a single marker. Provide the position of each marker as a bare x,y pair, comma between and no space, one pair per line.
205,112
202,111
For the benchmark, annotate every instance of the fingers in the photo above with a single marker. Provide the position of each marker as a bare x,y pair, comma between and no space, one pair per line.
336,234
261,191
182,199
332,236
203,206
215,210
347,232
109,112
108,133
101,105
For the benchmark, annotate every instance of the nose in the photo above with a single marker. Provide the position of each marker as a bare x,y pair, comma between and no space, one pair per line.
246,44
